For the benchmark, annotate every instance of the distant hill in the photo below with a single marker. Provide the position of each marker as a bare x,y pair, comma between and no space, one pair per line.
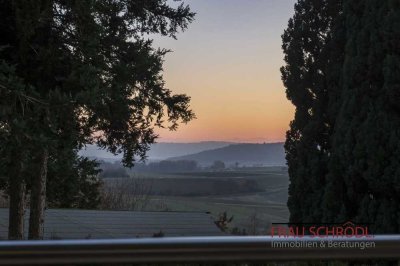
165,150
158,151
245,154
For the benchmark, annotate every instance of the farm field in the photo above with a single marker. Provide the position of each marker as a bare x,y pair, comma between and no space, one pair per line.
255,197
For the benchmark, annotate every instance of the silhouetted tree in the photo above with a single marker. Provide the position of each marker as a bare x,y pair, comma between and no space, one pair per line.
218,165
343,75
84,69
307,45
365,152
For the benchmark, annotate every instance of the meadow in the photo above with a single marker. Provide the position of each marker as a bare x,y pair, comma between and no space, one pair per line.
254,196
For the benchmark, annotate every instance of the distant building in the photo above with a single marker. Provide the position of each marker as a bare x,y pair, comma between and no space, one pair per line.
87,224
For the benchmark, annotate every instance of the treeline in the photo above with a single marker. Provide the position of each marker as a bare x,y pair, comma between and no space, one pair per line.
116,169
168,166
342,73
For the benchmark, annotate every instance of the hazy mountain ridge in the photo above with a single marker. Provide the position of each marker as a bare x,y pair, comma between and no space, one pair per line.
158,151
243,153
164,150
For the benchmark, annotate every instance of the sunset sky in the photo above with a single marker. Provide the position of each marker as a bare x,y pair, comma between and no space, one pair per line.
228,61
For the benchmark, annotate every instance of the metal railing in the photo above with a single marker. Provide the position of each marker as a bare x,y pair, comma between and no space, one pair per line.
196,249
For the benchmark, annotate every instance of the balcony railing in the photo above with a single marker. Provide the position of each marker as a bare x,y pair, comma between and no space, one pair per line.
196,249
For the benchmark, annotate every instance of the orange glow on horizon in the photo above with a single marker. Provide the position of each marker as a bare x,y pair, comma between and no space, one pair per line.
230,68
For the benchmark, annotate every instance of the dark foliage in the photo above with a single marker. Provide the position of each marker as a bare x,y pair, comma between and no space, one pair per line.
307,76
365,152
342,74
79,72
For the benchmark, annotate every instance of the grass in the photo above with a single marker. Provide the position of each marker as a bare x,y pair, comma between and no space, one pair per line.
256,197
250,209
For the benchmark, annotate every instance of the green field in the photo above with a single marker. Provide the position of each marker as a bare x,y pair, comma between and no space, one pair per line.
254,209
255,196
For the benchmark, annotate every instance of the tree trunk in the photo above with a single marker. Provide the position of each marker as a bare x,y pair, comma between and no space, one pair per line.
17,201
38,198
